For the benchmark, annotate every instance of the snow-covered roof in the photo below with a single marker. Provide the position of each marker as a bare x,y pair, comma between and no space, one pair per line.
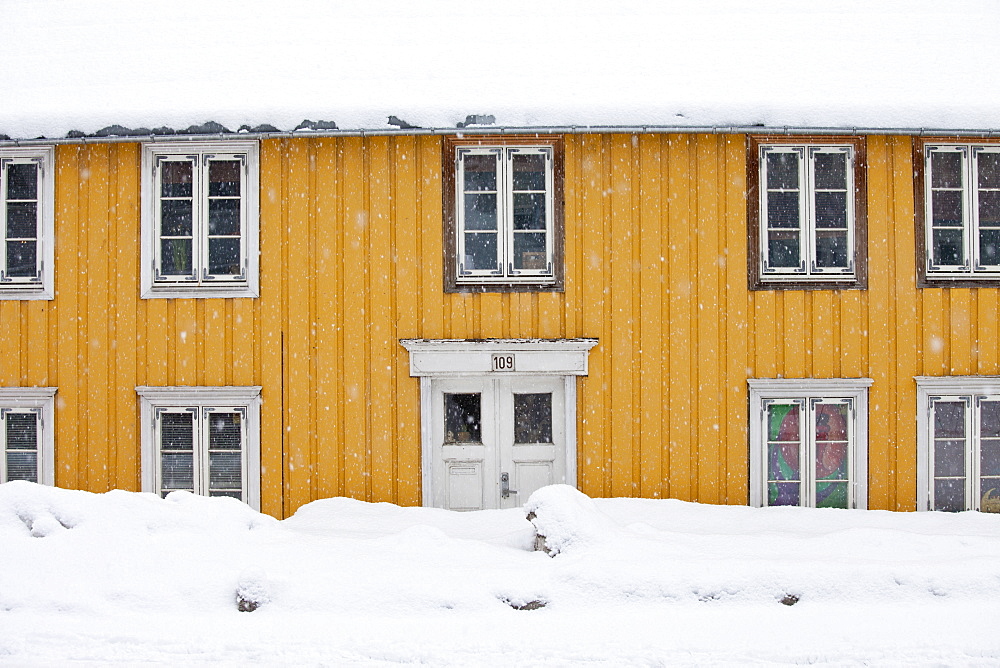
75,68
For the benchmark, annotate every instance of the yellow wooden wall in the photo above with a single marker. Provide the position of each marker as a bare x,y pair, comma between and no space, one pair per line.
351,262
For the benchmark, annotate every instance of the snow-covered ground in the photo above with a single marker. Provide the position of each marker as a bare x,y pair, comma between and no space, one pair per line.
127,578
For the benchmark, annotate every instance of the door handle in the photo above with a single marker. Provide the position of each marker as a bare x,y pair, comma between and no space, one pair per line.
505,490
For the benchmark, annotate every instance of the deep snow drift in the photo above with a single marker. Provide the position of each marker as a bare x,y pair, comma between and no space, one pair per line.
130,578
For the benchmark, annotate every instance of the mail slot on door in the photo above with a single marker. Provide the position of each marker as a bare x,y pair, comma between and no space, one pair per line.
503,361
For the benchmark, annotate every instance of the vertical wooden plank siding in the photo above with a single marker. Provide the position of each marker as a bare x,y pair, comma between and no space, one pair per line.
352,261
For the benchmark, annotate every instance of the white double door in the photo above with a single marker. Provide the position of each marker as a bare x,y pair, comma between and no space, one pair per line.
496,439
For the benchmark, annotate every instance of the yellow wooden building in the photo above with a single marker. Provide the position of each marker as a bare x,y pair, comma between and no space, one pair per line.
458,318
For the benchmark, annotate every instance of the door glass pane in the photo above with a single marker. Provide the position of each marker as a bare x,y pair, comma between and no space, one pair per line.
784,442
463,418
533,418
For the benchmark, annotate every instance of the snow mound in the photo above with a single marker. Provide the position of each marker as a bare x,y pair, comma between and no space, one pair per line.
565,517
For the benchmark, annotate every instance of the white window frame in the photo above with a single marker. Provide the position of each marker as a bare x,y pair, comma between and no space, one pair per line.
40,400
201,285
764,391
807,269
505,272
41,286
971,267
153,400
929,390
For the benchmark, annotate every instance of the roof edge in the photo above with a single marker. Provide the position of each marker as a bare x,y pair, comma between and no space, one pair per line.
505,130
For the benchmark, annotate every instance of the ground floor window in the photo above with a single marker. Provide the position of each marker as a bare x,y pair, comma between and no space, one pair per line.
809,442
204,440
27,435
958,443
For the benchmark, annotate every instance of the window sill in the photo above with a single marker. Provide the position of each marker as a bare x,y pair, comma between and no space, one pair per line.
200,292
549,286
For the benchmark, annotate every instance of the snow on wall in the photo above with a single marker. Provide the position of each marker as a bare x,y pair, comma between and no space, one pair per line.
85,66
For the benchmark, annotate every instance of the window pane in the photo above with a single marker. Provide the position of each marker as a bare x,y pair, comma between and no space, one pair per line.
529,211
480,251
224,256
831,210
529,172
946,208
533,418
989,457
989,170
177,431
22,181
989,247
831,249
989,207
462,418
947,247
480,172
225,431
949,495
175,217
224,178
22,259
175,257
946,169
22,431
830,170
232,494
783,493
177,471
949,459
783,209
225,470
782,171
989,495
783,249
831,494
22,465
481,212
224,216
989,419
175,179
949,419
529,250
22,220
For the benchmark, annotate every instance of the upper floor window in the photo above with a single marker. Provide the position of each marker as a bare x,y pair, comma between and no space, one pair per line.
27,436
503,214
27,192
808,442
200,219
807,213
958,200
958,443
204,440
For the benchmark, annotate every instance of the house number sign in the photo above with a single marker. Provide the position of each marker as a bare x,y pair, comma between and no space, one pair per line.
503,362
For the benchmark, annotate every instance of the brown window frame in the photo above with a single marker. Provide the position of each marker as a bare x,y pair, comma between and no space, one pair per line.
859,281
924,278
450,215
